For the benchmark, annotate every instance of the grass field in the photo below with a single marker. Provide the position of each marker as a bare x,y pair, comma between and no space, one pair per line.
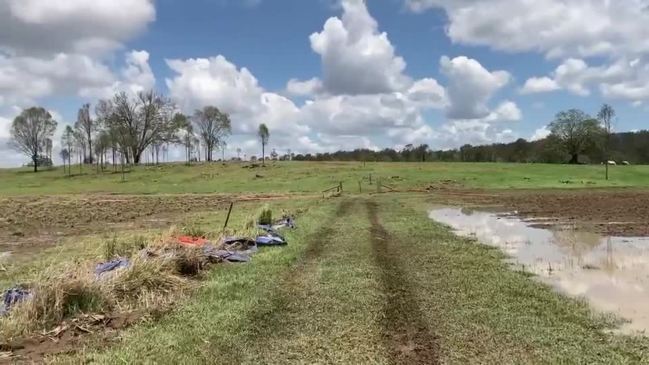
366,278
309,177
373,281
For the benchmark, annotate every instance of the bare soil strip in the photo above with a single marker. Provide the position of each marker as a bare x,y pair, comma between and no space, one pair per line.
406,334
28,223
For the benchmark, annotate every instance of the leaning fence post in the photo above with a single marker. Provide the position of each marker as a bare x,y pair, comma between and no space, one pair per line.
227,219
370,179
360,187
341,186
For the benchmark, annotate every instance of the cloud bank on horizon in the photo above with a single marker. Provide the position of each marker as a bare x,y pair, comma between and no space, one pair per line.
62,54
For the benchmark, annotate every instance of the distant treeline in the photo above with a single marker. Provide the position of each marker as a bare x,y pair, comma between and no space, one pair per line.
629,146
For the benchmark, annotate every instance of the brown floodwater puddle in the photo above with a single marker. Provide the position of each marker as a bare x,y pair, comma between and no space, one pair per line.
611,273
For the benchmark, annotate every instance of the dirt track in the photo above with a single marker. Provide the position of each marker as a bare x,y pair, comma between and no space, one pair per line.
619,212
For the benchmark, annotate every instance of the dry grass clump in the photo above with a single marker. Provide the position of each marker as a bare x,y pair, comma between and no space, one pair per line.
135,285
123,247
149,284
56,295
158,274
190,261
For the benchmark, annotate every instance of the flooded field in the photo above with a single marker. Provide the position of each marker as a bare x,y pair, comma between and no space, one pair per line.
612,273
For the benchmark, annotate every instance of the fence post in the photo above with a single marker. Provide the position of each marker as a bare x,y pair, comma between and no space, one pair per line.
360,187
227,219
370,179
341,186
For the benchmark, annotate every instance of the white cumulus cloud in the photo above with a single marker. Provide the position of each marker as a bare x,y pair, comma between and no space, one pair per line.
470,87
539,85
356,57
46,27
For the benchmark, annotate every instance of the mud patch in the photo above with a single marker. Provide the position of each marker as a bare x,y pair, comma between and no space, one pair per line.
69,337
405,333
618,212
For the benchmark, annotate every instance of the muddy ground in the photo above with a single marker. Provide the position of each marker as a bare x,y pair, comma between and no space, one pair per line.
30,221
616,212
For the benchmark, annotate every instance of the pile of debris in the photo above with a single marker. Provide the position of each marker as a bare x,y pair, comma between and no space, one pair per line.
162,267
228,249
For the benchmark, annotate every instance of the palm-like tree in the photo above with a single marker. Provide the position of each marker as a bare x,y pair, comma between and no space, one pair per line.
264,135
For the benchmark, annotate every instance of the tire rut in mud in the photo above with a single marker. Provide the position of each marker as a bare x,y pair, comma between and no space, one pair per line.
406,334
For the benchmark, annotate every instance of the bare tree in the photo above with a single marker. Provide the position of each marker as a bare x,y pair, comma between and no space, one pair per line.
264,136
30,131
67,141
606,115
238,153
213,126
223,145
139,122
102,144
80,144
88,128
48,148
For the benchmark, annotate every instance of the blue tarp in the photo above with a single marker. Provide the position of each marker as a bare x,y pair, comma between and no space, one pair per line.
270,240
285,222
104,267
225,255
234,240
12,297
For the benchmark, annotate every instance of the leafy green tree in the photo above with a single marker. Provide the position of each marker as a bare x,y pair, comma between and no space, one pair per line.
576,131
264,136
30,131
213,127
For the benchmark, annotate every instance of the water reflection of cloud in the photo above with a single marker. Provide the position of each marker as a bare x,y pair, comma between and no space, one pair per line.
611,272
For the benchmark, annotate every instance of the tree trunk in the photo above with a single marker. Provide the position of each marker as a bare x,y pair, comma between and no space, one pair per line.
122,163
263,154
137,156
574,159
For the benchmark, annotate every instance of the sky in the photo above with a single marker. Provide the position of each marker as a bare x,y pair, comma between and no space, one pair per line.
326,75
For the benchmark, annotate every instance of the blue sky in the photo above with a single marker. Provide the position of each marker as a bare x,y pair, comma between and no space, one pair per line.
331,74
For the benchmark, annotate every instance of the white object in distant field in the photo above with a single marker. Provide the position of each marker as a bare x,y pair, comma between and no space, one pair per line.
612,163
626,163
